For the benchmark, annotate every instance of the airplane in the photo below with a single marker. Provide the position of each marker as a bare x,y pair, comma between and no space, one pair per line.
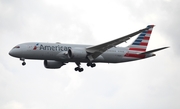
56,55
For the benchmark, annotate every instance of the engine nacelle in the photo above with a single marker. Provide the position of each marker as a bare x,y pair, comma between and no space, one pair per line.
52,64
77,53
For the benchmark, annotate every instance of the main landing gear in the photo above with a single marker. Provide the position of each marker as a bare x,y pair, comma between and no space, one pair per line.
91,64
78,68
23,63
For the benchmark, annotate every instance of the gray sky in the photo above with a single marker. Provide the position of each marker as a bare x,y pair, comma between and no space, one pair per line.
146,84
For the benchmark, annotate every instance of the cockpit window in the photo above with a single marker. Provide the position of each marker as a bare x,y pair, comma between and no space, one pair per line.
17,47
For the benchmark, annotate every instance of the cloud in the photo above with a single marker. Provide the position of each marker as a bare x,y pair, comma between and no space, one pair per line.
149,83
13,104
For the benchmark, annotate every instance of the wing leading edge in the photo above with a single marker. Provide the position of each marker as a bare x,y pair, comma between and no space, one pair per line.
95,51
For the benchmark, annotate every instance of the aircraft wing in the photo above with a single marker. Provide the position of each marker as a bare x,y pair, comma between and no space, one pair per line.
95,51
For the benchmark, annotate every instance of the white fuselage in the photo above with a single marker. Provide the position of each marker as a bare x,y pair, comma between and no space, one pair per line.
59,52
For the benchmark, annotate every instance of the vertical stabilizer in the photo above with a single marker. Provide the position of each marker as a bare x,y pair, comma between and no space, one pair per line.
141,42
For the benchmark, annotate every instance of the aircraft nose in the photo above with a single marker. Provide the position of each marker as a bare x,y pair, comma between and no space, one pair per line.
16,51
11,53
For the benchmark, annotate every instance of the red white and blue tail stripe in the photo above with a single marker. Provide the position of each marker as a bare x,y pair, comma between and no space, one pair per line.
141,43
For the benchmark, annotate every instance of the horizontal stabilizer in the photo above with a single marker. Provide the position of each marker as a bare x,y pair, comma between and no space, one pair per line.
151,51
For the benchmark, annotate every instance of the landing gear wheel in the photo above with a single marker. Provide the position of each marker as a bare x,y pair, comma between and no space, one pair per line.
79,69
76,69
24,63
93,65
88,64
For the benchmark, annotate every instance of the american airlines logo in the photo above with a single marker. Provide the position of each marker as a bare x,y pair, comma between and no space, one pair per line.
51,48
35,47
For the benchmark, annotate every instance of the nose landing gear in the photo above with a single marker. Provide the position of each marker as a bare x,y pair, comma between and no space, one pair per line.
23,63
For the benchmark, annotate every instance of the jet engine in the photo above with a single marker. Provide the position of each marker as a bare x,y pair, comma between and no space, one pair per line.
77,53
52,64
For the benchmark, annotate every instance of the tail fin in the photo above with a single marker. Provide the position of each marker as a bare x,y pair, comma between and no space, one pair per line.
141,43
